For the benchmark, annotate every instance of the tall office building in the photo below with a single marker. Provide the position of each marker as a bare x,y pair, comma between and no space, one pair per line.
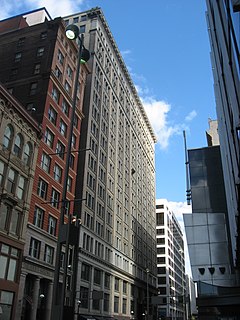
223,18
170,263
117,257
38,66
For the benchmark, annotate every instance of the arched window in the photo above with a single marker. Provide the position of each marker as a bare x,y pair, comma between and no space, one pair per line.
27,153
7,139
17,148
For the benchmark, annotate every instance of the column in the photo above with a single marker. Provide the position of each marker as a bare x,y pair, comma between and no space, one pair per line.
36,287
49,301
20,296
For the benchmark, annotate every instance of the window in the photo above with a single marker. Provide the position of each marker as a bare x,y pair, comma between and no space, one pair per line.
69,184
58,73
37,68
7,139
21,187
9,259
57,173
55,94
96,300
42,188
97,276
27,153
49,254
40,51
116,286
38,217
84,297
69,72
75,20
43,35
124,286
82,29
63,128
18,143
2,167
74,139
60,149
45,162
75,121
67,87
52,225
107,281
52,115
60,57
124,306
55,196
11,180
85,272
21,41
71,161
18,57
34,249
49,138
116,304
84,17
33,88
65,107
106,302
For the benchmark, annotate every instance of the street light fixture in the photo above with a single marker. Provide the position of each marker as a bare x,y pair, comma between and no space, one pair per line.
68,233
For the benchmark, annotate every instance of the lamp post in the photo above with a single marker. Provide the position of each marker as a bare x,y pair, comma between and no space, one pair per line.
69,230
147,317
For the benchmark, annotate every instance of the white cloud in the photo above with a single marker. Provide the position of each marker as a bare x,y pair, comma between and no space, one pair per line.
55,9
191,116
157,111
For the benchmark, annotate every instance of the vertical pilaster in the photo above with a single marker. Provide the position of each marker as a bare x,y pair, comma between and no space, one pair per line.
36,287
49,301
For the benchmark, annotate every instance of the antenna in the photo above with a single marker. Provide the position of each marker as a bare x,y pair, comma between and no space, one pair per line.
188,190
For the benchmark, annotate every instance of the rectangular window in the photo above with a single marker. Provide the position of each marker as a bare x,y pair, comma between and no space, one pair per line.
57,173
11,180
124,306
60,149
106,302
34,249
107,281
42,188
116,287
84,297
52,115
38,217
82,29
2,166
45,162
52,225
49,138
125,287
69,184
69,72
97,276
33,88
40,51
49,254
60,57
63,128
43,35
18,57
55,197
58,73
21,41
85,272
65,107
116,304
21,187
37,68
55,94
9,260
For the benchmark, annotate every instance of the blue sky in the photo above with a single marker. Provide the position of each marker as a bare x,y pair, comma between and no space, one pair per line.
166,48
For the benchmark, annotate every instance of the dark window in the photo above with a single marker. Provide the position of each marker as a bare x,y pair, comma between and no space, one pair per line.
85,273
82,29
37,68
9,260
160,218
49,254
34,249
18,57
43,35
75,20
60,149
33,88
97,276
42,188
55,198
52,115
7,139
52,225
84,297
38,217
40,52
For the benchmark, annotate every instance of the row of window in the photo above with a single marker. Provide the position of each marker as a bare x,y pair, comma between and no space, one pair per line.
12,181
38,219
35,249
16,145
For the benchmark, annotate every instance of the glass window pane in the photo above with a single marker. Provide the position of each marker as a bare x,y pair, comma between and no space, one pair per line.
12,270
3,264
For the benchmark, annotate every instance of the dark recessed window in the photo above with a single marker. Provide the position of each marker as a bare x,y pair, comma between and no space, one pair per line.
40,52
18,57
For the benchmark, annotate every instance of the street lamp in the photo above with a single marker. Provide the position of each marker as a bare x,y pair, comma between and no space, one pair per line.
67,233
147,270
